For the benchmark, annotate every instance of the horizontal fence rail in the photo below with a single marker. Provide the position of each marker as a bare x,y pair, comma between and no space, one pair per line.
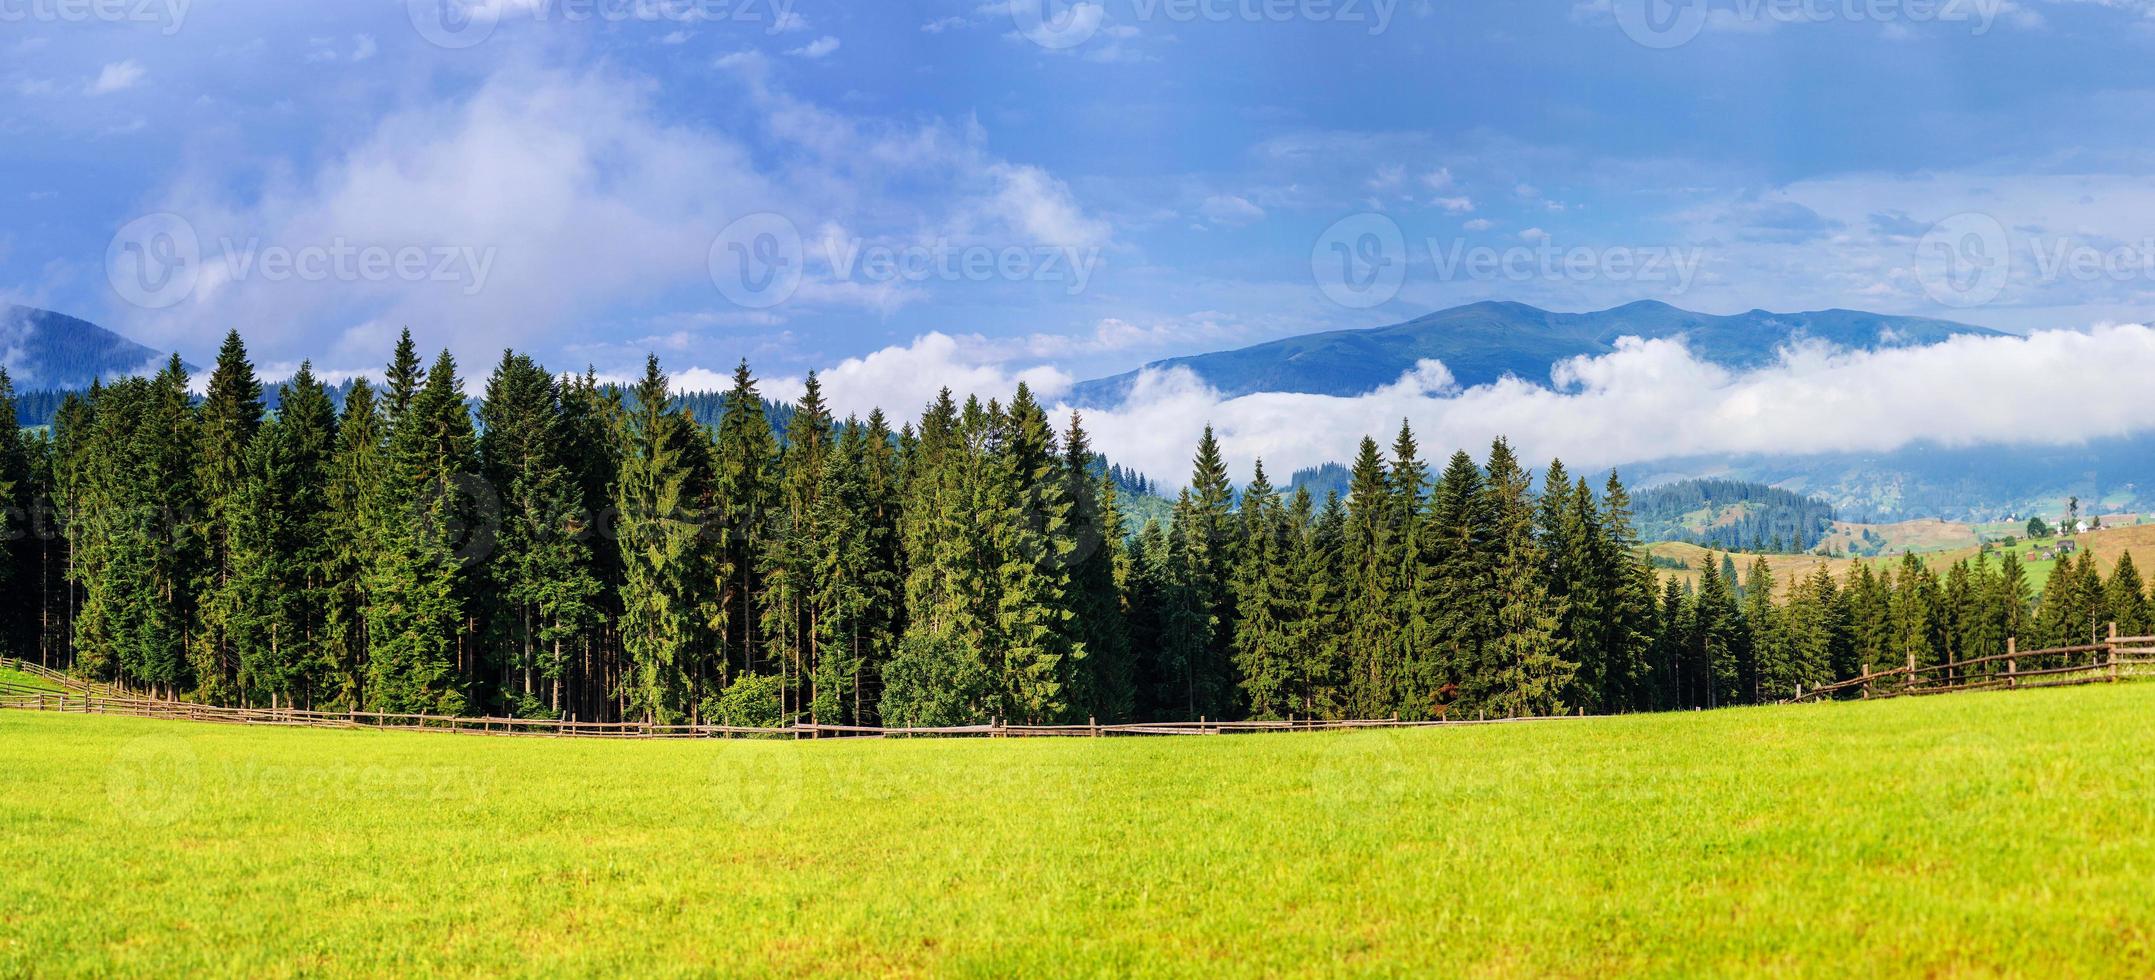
2104,662
80,697
60,692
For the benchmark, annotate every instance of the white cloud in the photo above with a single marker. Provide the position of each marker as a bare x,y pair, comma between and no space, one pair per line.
578,195
1438,179
1653,400
1479,224
1454,205
1533,235
1230,210
903,380
819,48
117,76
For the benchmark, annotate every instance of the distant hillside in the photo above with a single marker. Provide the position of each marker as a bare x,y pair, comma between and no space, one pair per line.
1727,514
1484,342
46,350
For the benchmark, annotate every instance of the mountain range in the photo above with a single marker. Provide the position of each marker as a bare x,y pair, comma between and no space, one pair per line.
43,350
1479,343
1483,342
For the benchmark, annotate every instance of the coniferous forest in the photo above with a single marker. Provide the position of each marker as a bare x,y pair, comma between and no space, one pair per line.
574,549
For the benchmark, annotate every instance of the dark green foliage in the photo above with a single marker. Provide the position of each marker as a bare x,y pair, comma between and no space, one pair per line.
1732,515
586,553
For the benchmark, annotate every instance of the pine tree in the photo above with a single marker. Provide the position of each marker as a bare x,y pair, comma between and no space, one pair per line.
746,459
1099,573
1772,670
1526,665
1460,553
1313,589
428,524
352,497
542,584
2127,599
1209,542
1626,581
18,626
1264,650
1370,557
657,540
1713,657
231,414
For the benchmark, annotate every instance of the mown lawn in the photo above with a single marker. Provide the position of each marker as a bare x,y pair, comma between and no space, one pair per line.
1968,834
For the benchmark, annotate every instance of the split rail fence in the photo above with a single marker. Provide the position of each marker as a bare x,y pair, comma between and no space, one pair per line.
65,693
2116,658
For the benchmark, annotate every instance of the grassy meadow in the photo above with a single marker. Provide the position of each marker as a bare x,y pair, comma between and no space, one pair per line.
1965,835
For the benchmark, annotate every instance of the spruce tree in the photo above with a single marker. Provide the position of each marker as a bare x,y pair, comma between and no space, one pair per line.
352,497
1099,572
1370,558
231,413
657,539
430,526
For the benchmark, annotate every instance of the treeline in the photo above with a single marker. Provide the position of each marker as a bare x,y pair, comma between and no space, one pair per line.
1738,516
571,549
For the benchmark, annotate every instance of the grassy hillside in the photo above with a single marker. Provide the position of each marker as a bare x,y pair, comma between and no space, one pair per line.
1969,834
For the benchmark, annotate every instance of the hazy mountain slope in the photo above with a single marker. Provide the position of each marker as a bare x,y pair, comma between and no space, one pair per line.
1483,342
44,350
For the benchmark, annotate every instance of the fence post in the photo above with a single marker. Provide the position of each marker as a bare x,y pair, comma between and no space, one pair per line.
2110,651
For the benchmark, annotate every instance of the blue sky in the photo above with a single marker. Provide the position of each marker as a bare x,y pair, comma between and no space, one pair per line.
1081,188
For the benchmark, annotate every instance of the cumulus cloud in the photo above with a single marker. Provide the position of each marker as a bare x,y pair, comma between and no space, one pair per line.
1654,400
1230,210
559,194
818,48
117,76
903,380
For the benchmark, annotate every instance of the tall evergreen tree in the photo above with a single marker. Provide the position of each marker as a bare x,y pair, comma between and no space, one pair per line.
430,527
657,540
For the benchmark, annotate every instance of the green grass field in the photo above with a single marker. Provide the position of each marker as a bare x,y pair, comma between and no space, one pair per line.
1970,834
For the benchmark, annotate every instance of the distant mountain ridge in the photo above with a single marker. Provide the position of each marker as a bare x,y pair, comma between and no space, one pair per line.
1483,342
46,350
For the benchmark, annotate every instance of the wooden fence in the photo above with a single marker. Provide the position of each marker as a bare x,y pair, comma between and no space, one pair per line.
77,696
2113,659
